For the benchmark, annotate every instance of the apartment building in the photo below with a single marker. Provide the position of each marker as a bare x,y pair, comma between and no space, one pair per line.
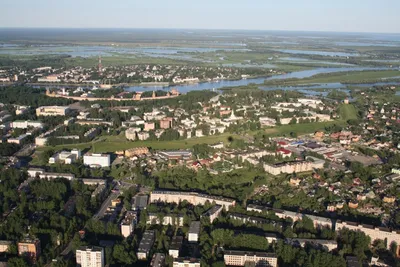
52,111
186,262
373,232
90,256
241,258
175,155
194,231
30,248
97,160
213,213
128,223
55,175
170,219
191,197
145,245
175,246
5,245
158,260
26,124
294,166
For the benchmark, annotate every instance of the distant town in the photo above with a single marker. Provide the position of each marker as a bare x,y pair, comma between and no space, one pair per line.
291,171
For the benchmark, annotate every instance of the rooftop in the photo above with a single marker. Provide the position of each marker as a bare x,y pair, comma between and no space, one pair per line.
249,253
147,241
194,227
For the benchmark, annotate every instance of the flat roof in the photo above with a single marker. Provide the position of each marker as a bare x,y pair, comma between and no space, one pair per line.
194,227
192,194
249,253
176,243
158,260
90,248
141,201
213,210
147,241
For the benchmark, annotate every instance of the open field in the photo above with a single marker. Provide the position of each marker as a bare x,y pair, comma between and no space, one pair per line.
348,112
116,143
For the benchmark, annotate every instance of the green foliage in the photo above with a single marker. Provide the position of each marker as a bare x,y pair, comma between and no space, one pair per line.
7,149
24,95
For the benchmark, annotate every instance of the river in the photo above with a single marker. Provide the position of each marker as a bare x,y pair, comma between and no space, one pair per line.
184,88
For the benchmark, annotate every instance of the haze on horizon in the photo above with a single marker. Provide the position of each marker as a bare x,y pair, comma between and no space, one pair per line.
292,15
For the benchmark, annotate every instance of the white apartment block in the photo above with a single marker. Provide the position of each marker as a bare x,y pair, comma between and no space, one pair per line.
65,157
173,219
241,258
52,111
183,262
26,124
90,257
373,232
97,160
294,166
191,197
128,223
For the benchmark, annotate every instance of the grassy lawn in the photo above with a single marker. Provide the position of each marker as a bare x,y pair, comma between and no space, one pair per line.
300,129
105,144
119,60
117,143
347,112
345,77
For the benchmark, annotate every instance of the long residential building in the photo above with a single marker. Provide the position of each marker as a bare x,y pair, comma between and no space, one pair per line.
186,262
26,124
241,258
328,245
373,232
170,219
145,245
97,160
191,197
52,111
175,155
318,221
294,166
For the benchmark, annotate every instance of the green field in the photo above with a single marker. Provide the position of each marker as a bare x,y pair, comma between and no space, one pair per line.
348,112
344,77
105,144
116,143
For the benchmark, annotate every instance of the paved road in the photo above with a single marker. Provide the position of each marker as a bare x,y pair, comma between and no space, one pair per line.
100,213
27,150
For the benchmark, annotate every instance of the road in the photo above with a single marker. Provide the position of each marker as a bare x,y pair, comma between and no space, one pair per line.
100,213
27,150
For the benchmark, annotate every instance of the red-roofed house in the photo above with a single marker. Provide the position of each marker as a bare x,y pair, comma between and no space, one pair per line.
284,152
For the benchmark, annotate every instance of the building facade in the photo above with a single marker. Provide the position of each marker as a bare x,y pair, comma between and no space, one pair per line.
90,257
241,258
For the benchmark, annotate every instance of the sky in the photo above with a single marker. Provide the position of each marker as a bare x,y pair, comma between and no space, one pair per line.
294,15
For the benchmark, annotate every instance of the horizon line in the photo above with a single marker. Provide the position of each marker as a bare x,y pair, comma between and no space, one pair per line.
200,29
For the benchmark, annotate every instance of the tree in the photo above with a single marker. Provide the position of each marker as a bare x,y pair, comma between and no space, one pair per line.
17,262
293,121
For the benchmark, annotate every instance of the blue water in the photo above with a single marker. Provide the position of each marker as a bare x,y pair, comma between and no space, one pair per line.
310,61
321,53
184,88
363,44
89,51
